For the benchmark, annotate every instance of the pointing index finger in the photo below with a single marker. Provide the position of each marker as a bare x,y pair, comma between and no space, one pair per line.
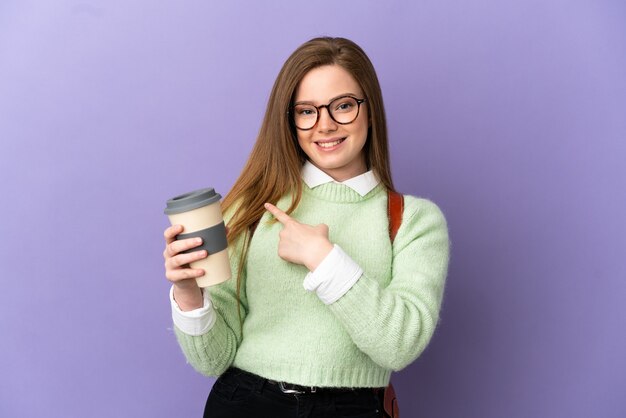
278,214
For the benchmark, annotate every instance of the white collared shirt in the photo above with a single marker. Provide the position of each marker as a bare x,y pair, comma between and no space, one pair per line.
332,278
362,184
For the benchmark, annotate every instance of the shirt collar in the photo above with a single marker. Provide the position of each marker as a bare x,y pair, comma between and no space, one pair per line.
362,184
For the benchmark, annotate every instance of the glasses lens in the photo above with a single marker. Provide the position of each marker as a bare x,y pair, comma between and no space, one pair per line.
304,116
344,109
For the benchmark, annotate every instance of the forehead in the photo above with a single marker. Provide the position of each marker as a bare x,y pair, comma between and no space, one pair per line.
324,83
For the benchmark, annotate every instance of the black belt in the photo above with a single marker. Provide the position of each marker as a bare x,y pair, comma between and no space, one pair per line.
300,390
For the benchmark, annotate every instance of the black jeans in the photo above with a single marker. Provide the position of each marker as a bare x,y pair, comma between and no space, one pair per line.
239,394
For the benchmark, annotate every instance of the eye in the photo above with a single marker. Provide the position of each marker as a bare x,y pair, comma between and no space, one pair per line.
305,111
345,105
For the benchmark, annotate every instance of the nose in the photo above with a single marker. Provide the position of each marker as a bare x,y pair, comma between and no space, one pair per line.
325,122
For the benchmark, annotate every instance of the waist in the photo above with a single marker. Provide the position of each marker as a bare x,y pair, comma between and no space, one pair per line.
344,369
292,389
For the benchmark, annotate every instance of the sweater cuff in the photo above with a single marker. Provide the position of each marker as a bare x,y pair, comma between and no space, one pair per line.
196,322
334,276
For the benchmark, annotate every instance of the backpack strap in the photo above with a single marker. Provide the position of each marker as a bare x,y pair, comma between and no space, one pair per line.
395,208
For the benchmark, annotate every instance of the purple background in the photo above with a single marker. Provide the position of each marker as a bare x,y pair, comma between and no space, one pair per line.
510,115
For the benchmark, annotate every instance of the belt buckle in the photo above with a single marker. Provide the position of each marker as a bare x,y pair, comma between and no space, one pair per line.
284,389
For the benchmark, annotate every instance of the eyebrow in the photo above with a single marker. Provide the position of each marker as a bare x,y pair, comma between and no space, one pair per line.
334,98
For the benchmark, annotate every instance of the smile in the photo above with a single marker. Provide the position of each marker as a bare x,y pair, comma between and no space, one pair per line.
330,144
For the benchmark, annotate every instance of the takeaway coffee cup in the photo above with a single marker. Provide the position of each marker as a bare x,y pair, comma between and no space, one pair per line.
199,212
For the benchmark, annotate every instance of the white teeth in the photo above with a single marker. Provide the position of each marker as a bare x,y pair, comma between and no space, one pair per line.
329,144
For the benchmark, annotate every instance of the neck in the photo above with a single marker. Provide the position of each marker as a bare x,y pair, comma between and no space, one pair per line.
345,173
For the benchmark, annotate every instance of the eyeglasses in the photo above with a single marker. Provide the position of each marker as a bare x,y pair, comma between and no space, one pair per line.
343,110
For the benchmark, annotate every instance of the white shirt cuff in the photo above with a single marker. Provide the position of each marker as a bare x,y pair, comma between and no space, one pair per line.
196,322
334,276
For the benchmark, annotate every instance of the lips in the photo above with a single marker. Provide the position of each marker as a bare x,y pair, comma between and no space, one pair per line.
329,143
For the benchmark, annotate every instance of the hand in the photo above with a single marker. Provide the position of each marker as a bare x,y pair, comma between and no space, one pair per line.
187,294
301,243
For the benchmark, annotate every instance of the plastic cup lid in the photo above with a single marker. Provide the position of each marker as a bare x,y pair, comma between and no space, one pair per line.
192,200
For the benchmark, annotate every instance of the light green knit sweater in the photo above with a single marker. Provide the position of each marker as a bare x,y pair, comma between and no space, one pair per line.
381,324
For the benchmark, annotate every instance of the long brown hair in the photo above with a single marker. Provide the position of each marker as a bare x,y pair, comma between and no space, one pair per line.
274,165
273,168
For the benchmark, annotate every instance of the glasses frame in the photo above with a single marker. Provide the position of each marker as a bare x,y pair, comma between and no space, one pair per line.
319,111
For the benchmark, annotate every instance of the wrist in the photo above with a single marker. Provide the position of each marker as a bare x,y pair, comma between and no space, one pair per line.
188,298
321,252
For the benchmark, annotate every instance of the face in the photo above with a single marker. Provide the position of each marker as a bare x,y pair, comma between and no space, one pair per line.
334,148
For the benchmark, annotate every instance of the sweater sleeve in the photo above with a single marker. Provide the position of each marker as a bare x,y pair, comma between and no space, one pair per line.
214,351
393,324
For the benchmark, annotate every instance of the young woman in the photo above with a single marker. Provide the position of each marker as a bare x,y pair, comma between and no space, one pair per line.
324,305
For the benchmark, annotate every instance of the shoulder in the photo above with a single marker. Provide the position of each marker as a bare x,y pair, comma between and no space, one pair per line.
229,212
422,216
414,206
